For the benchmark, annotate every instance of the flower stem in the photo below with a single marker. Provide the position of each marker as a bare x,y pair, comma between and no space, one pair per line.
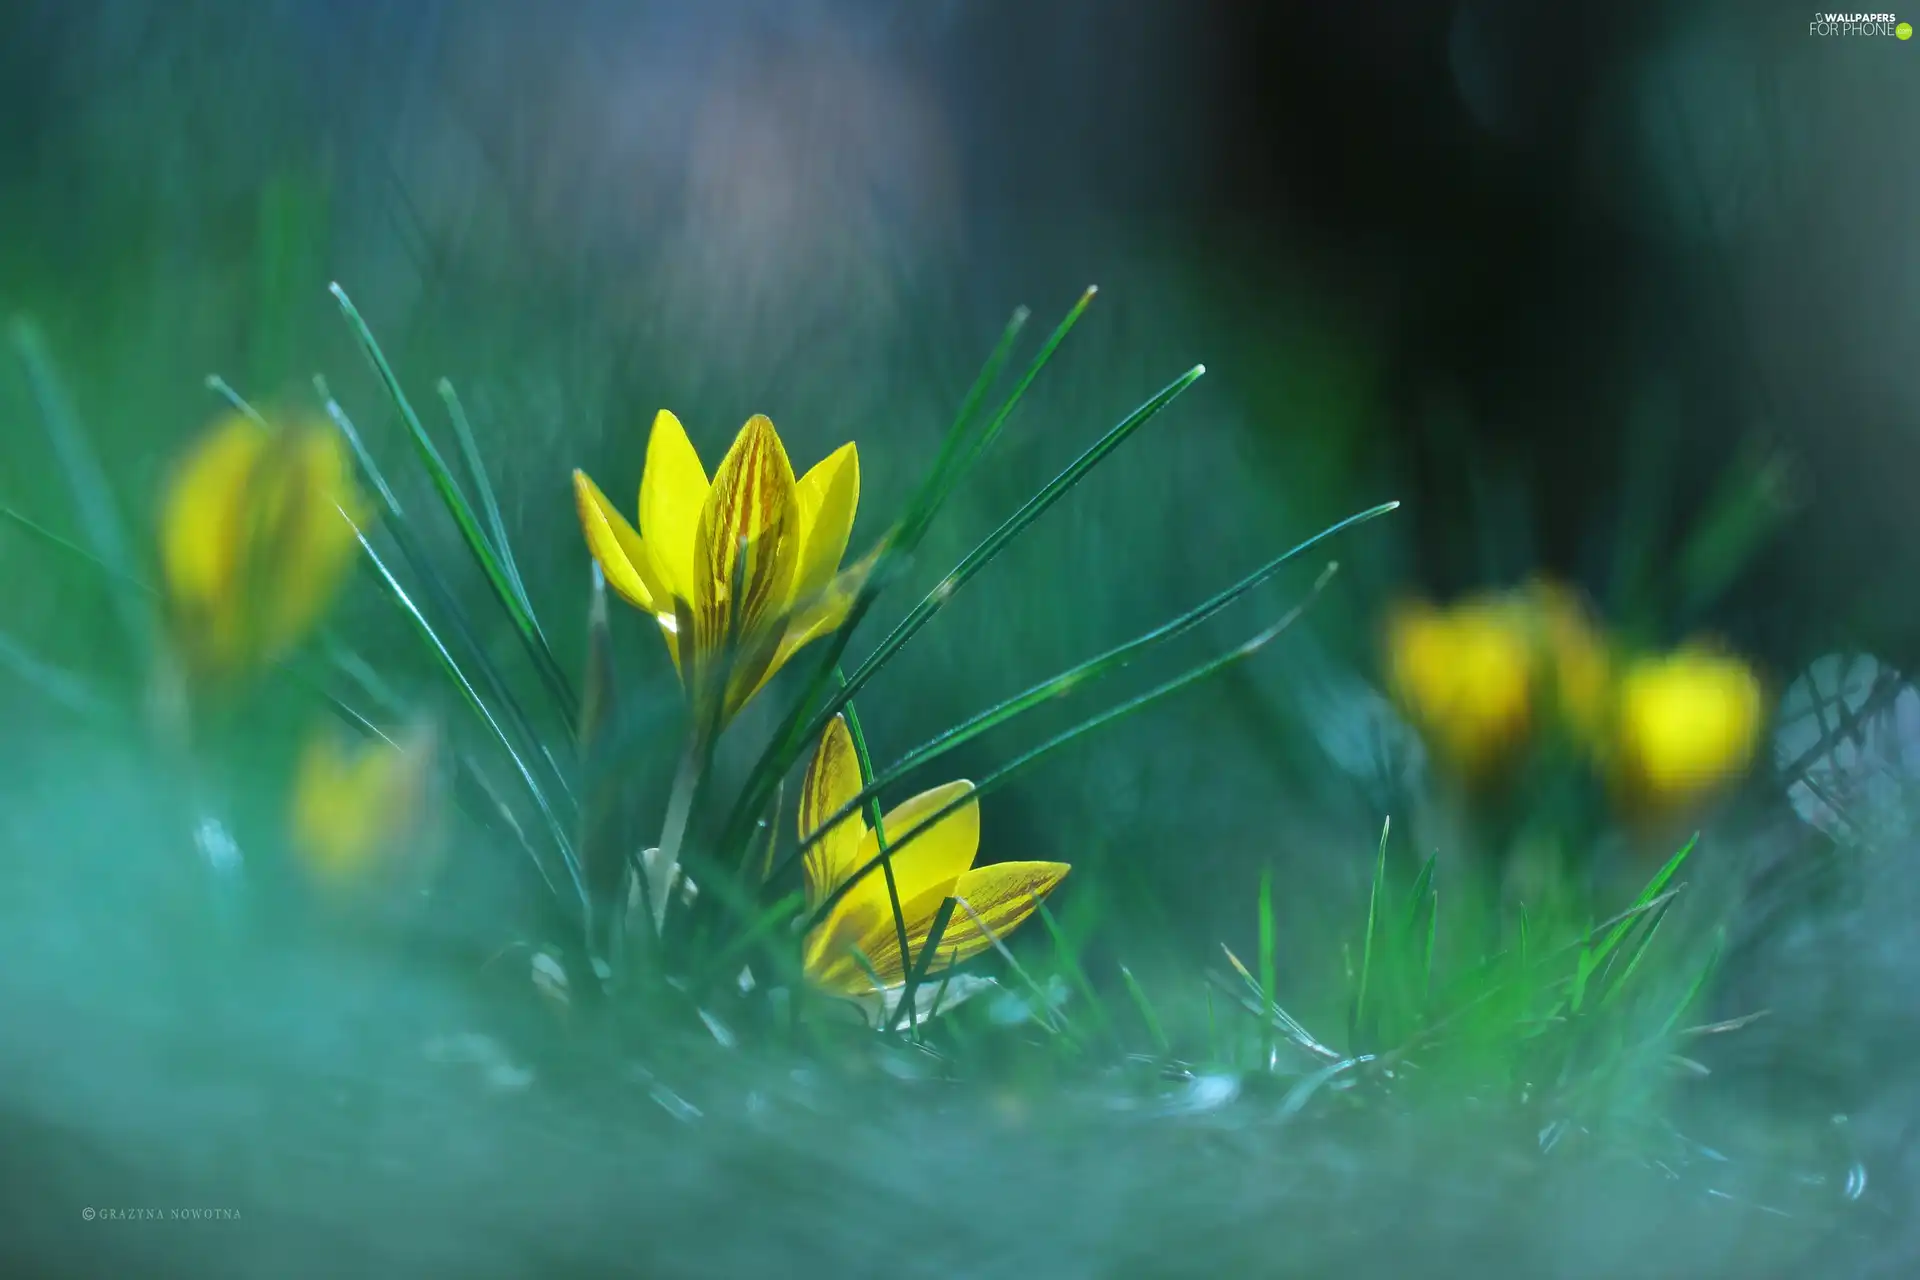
673,832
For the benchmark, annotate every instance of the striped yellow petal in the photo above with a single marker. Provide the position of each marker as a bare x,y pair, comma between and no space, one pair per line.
833,778
673,494
746,538
1002,896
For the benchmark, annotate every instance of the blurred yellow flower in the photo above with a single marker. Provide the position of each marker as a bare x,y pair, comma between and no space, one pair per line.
353,804
1466,675
937,865
780,540
1688,721
253,543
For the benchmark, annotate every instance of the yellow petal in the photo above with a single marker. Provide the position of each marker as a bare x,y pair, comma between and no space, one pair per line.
253,544
1687,722
811,620
746,538
620,551
827,497
303,541
833,778
924,873
673,492
1002,896
878,938
352,804
936,857
202,531
828,957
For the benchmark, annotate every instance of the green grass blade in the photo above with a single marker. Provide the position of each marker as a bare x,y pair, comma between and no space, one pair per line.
86,479
1114,659
1369,948
808,716
440,594
452,667
112,575
1634,953
923,963
1016,524
935,486
489,503
878,823
1146,1010
1269,968
462,513
526,620
1001,776
1706,971
1069,959
998,422
780,756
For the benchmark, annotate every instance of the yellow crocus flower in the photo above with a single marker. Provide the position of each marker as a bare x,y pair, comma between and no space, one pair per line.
1688,721
351,804
1466,675
935,866
778,538
253,542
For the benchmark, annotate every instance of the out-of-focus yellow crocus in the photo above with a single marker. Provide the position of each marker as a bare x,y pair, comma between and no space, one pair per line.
352,804
1466,675
253,542
935,866
1687,721
753,528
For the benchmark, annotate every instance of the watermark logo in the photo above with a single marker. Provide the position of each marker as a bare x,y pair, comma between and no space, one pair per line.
1859,24
145,1213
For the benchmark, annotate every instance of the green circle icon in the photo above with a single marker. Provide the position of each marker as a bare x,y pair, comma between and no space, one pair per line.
1904,31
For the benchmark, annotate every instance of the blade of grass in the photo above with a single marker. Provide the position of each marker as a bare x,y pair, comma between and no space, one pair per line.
922,964
1069,680
551,672
1373,930
1069,960
1147,1014
1707,968
998,423
1000,776
452,667
1592,956
877,822
1118,657
489,504
1016,524
1269,968
440,595
456,503
78,552
85,478
809,715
